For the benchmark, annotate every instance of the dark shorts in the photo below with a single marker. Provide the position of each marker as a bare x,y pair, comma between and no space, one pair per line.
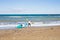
29,24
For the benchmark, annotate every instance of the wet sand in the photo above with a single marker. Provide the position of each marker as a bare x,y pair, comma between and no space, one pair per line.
47,33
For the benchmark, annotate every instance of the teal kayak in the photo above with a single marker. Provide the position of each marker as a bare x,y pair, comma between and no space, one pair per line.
19,26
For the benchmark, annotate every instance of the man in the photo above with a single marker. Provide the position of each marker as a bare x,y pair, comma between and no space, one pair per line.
29,23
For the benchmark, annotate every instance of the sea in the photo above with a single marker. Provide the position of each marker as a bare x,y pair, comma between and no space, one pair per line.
37,18
29,17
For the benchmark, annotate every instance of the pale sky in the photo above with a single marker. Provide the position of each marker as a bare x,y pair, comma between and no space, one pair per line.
30,6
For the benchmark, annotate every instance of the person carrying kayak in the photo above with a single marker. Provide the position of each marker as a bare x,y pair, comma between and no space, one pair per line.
29,23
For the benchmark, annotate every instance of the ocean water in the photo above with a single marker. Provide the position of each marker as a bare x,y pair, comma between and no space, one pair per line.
48,20
27,18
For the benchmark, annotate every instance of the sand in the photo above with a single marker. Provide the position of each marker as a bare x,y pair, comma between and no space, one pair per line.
47,33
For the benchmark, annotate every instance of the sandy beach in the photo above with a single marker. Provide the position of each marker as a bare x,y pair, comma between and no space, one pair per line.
47,33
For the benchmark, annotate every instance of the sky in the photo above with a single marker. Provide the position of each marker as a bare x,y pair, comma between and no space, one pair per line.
30,6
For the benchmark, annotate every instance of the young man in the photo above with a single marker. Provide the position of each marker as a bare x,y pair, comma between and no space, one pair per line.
29,23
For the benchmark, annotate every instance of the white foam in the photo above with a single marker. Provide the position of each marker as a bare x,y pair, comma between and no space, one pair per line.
40,24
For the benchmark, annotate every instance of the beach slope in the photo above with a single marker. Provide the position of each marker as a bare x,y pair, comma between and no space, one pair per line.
47,33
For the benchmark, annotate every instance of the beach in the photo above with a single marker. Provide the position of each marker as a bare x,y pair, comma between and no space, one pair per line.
42,33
